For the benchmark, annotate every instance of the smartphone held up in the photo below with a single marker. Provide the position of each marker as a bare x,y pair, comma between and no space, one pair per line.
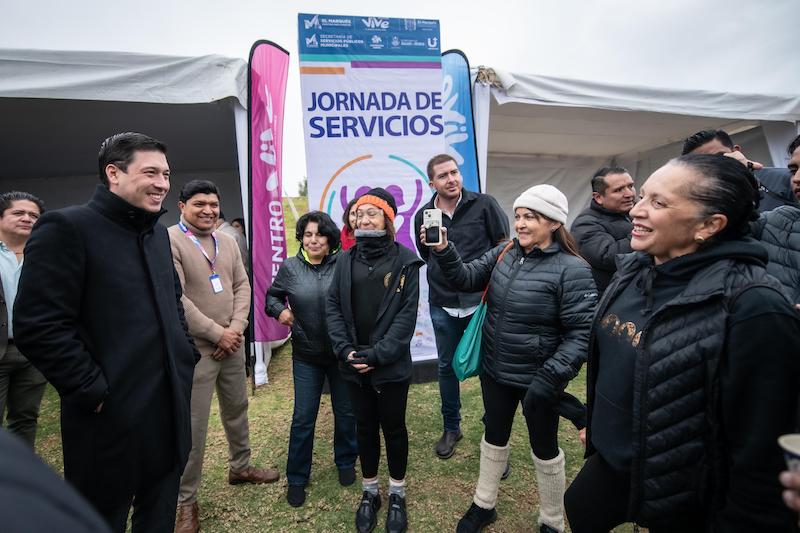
432,223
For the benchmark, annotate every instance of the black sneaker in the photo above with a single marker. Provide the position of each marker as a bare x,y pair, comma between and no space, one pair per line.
446,446
347,476
367,512
476,519
396,518
296,495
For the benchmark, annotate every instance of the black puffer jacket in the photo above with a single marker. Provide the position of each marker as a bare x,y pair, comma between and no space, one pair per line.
305,286
540,308
389,349
602,235
779,232
715,382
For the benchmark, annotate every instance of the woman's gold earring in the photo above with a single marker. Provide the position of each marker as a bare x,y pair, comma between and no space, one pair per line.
699,239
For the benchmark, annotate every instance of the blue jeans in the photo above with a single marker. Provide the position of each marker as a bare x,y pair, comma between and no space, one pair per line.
308,381
448,331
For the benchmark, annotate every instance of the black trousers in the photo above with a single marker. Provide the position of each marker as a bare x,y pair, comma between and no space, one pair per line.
114,466
500,404
597,501
154,506
385,410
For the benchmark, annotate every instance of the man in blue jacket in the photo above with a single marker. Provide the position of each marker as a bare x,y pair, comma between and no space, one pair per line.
475,224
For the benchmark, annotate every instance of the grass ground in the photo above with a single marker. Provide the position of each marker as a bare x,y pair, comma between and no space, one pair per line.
438,491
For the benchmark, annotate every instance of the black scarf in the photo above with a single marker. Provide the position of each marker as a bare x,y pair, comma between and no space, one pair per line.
372,244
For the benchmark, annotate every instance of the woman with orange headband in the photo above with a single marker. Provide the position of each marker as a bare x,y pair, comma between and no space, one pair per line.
372,312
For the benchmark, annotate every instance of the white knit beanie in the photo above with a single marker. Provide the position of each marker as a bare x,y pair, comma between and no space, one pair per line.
546,200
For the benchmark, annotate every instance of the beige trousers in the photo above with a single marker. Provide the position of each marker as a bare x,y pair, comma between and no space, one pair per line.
228,377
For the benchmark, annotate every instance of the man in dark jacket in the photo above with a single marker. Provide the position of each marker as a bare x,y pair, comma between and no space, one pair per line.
603,229
774,183
779,232
476,224
21,385
98,312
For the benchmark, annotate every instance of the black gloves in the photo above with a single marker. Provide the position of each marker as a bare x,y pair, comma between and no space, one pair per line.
572,409
544,391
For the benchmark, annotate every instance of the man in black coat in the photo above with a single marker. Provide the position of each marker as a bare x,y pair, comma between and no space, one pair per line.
98,312
603,229
476,224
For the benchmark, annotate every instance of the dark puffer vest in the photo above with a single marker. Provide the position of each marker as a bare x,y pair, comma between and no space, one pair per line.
540,308
678,459
779,232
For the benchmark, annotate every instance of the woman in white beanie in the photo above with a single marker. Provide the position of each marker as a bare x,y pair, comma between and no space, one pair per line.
540,303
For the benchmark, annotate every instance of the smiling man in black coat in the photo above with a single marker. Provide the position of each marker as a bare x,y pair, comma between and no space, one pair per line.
98,312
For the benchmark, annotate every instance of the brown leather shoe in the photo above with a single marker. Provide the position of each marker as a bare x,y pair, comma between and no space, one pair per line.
188,521
254,475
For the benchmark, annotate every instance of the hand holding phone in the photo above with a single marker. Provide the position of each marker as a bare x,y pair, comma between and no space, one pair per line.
432,226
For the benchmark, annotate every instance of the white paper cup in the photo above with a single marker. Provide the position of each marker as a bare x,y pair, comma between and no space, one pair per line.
791,450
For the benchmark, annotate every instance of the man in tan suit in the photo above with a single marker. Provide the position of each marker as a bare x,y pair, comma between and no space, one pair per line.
216,297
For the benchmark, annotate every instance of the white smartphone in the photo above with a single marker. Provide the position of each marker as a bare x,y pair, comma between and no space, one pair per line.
432,222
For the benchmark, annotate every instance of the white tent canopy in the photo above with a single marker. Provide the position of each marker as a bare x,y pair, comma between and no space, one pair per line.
539,129
57,106
121,77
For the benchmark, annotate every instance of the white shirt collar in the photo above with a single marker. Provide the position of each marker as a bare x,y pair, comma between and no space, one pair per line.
449,213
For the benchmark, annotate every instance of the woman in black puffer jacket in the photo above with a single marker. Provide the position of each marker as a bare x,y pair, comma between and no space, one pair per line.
304,281
540,303
693,370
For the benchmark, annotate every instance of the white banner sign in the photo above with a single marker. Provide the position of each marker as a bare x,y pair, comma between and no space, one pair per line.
372,112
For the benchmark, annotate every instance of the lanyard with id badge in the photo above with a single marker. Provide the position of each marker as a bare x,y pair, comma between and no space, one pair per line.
216,282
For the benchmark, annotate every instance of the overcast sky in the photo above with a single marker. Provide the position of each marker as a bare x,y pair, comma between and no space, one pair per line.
738,45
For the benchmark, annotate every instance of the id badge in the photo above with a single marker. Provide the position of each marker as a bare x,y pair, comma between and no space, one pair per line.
216,283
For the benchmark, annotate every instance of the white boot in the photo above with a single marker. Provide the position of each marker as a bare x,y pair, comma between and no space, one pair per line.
493,462
552,485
